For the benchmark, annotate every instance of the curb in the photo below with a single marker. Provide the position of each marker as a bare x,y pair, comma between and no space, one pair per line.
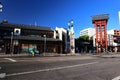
29,55
108,55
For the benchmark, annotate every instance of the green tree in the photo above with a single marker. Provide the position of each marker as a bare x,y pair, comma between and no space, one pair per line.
84,38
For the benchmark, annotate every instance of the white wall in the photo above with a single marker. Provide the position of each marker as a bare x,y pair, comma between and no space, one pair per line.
61,31
111,31
88,31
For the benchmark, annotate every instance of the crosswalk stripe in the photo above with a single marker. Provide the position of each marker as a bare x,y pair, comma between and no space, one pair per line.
2,75
116,78
52,69
11,59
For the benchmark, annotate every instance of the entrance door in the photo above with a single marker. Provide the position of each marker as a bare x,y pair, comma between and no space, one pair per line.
58,50
7,51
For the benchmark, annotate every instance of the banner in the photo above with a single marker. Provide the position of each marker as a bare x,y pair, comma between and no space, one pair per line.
119,17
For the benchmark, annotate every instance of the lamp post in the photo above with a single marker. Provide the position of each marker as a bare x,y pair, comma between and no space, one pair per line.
11,42
44,44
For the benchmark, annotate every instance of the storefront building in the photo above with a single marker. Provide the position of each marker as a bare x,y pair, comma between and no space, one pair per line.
19,38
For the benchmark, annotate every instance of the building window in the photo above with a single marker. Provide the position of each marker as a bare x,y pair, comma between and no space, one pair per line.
56,31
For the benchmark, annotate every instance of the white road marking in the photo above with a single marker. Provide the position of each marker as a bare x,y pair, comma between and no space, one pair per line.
2,75
11,59
58,68
116,78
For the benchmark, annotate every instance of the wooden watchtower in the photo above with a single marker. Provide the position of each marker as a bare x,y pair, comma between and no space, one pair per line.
100,24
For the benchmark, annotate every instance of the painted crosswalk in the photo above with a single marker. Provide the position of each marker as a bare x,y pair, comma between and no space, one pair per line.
116,78
2,75
10,59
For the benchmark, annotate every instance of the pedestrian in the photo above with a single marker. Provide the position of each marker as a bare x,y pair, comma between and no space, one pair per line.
116,49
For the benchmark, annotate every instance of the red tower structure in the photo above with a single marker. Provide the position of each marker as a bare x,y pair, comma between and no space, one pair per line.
100,23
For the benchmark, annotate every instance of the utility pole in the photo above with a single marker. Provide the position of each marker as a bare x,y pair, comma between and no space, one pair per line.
11,43
44,44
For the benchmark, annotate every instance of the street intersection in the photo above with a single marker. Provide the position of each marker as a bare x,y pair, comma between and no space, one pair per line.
84,67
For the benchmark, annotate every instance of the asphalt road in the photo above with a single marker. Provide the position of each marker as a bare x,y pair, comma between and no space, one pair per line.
60,68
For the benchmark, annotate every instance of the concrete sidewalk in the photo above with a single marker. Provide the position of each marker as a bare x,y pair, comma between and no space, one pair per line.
107,55
58,55
110,56
36,55
14,55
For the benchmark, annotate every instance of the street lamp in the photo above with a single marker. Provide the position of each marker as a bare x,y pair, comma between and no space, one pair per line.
44,44
11,42
1,7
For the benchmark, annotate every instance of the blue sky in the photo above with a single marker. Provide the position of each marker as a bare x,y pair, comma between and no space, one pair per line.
54,13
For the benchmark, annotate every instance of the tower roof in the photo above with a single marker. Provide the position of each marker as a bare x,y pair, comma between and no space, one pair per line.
100,17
